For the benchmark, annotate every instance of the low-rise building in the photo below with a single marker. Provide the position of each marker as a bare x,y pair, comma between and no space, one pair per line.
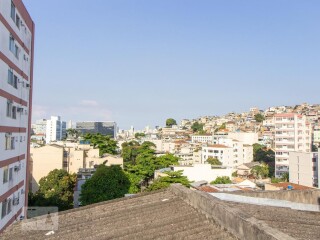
206,172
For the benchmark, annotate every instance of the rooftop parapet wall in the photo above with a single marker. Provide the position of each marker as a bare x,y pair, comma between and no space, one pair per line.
299,196
235,221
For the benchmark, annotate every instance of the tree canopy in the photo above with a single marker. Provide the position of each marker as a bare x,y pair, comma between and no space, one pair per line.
103,142
260,171
170,122
222,180
165,181
55,189
259,117
213,161
197,127
105,184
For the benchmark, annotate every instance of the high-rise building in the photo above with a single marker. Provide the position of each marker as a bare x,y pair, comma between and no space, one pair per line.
56,129
104,128
16,83
292,133
40,127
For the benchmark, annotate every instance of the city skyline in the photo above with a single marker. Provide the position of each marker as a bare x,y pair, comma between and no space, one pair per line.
179,59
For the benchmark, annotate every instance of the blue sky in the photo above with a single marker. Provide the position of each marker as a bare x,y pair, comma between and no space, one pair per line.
140,62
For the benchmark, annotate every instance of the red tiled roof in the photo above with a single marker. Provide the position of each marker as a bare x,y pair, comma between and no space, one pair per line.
207,189
286,184
218,146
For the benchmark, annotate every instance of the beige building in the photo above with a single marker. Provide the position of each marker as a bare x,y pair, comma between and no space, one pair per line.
47,158
304,168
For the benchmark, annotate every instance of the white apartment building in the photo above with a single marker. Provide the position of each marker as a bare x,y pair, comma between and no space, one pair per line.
16,82
206,172
304,168
40,127
219,151
55,130
292,133
202,138
249,138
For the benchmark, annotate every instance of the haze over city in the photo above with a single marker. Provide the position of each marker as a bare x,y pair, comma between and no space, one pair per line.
139,62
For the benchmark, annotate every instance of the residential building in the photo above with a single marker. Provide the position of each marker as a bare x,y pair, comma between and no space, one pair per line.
304,168
16,84
55,130
104,128
222,152
316,136
202,138
40,127
249,138
70,158
292,133
206,172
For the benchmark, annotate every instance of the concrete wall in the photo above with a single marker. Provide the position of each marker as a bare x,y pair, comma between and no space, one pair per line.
299,196
235,221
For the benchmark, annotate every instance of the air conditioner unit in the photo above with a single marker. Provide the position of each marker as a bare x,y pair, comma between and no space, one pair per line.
16,168
27,85
23,191
15,202
19,109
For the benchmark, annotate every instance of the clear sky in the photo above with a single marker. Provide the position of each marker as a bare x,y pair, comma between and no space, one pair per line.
138,62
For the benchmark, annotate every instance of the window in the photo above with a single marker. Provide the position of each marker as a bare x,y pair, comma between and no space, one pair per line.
9,206
5,174
4,209
10,76
9,141
15,82
9,108
10,174
14,112
18,21
11,44
16,51
13,11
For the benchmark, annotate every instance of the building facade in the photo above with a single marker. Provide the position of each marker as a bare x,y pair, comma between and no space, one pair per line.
16,82
55,129
104,128
292,133
304,168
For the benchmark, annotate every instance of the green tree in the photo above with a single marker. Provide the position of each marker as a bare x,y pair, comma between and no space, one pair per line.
166,181
285,177
139,135
105,184
166,160
260,171
72,133
222,180
213,161
197,127
263,155
103,142
56,189
259,117
314,148
130,151
170,122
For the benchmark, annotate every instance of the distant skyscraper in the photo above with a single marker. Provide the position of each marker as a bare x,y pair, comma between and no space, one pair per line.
56,129
104,128
16,84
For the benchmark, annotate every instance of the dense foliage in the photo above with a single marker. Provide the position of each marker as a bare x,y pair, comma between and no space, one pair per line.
222,180
170,122
213,161
259,117
56,189
106,183
260,171
172,177
197,127
103,142
263,155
